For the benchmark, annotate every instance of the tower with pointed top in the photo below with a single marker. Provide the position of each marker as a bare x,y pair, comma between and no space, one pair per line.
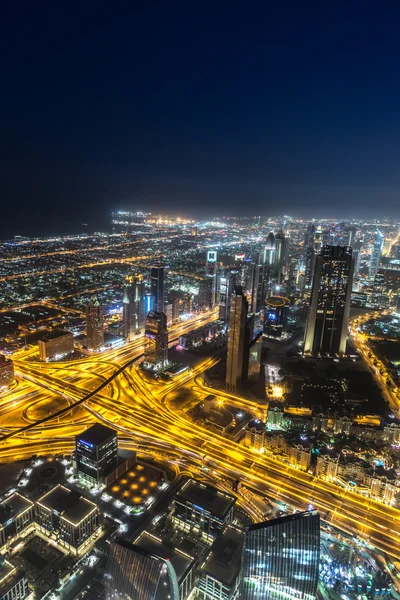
94,325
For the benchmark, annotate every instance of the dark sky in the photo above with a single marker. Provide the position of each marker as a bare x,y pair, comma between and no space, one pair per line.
198,108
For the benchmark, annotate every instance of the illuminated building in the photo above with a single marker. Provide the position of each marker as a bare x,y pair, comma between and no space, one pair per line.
275,315
259,287
226,287
156,339
275,417
6,371
236,340
202,509
96,453
269,250
148,304
198,336
327,466
300,456
94,325
310,267
55,343
68,515
351,233
157,287
280,257
383,490
133,573
175,309
16,514
133,307
13,583
211,272
318,240
328,313
205,293
253,365
357,261
168,313
320,422
376,254
309,236
220,570
255,436
281,558
342,425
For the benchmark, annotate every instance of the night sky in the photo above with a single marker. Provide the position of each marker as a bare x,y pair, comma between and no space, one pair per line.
197,108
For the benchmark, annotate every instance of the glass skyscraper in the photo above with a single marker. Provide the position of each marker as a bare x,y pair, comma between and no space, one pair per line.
281,558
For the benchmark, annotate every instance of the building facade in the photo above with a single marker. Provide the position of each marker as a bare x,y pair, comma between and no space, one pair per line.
156,339
94,325
157,275
96,453
236,340
6,372
56,343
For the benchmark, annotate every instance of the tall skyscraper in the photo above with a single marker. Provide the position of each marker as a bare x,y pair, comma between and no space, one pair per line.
309,236
96,453
351,236
259,287
310,267
329,309
94,325
136,574
157,287
211,272
156,339
205,293
280,255
318,240
268,251
376,254
281,558
236,339
133,306
226,287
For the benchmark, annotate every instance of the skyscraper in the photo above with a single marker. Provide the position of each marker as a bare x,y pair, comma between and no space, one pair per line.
236,339
281,558
136,574
211,272
309,236
376,253
96,453
269,250
318,240
226,287
205,293
94,325
156,339
157,287
280,255
329,309
310,267
259,287
133,306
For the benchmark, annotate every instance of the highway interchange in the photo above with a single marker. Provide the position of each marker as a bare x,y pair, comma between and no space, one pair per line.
52,402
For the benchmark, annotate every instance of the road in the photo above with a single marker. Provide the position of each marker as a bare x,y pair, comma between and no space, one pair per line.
110,387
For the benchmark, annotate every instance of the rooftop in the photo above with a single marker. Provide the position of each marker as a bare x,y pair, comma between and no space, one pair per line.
207,498
54,334
225,556
12,506
7,577
96,434
68,503
281,520
166,550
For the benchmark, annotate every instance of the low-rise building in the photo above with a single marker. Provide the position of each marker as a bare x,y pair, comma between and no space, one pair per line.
56,343
67,514
300,456
327,466
13,583
16,514
6,371
255,436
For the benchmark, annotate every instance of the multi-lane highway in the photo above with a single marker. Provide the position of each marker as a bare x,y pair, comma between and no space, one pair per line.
111,388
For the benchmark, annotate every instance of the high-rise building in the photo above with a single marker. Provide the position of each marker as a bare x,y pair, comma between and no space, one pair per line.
96,453
6,371
94,325
376,254
157,287
156,339
211,272
205,293
275,315
281,558
133,306
357,261
236,339
226,287
280,255
253,366
309,267
309,236
329,309
135,574
318,240
268,251
259,287
351,236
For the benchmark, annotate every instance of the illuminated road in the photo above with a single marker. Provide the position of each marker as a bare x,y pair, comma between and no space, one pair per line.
121,397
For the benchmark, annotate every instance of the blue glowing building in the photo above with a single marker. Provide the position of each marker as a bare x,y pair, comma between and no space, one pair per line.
96,453
281,558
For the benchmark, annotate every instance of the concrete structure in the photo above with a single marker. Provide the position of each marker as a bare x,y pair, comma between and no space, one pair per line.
236,340
96,453
133,318
68,515
94,325
55,343
156,340
328,314
157,275
6,372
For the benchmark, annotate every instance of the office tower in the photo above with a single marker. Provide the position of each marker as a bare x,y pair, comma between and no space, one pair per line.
236,339
259,287
176,307
148,304
351,236
281,558
275,315
318,240
94,325
205,293
96,453
268,251
309,267
309,236
156,339
211,272
376,254
280,255
253,364
329,309
55,344
357,261
226,287
6,371
157,287
133,573
133,306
